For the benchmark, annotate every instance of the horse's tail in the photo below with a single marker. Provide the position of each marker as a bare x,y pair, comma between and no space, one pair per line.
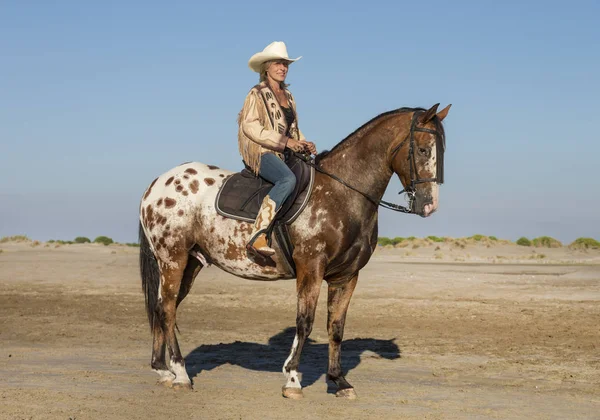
150,278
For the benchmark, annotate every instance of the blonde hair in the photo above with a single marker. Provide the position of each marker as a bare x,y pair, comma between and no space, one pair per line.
263,73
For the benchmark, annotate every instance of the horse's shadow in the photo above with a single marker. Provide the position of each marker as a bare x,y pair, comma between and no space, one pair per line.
270,357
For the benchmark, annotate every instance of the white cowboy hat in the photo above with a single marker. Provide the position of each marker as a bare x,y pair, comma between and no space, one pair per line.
274,51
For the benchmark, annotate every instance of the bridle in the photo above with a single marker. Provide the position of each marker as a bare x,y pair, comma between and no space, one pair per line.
414,176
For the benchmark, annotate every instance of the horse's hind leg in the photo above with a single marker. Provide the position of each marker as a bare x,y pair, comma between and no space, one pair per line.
159,365
172,278
338,300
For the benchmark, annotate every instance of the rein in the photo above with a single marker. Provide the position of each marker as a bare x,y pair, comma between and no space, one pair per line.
411,189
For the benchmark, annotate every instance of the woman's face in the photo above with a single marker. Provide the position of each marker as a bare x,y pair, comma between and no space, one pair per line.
277,70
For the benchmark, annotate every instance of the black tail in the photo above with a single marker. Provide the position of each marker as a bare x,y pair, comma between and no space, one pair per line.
150,278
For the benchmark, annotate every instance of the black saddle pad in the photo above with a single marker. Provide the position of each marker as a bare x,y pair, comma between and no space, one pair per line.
242,193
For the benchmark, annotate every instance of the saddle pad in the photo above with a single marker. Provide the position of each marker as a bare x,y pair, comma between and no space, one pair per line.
242,194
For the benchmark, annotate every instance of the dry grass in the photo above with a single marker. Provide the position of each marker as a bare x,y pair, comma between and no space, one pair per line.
15,238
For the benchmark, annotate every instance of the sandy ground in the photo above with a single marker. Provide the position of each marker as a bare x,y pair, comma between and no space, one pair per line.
494,332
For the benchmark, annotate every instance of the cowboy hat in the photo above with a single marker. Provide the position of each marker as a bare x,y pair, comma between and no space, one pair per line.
274,51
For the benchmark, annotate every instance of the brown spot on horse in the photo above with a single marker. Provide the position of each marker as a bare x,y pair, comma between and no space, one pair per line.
170,203
177,181
180,213
194,186
185,193
234,253
159,202
150,189
179,188
209,181
149,214
191,171
212,167
186,176
169,181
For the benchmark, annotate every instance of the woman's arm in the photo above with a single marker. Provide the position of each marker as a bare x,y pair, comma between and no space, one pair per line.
253,128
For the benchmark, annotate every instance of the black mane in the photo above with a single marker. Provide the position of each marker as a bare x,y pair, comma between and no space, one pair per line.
324,153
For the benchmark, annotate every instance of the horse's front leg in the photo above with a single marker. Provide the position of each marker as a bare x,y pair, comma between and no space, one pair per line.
338,299
308,285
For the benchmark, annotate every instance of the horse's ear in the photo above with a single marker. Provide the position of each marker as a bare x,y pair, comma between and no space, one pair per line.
442,114
429,114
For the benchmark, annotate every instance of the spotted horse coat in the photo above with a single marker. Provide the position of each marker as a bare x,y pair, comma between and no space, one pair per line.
334,237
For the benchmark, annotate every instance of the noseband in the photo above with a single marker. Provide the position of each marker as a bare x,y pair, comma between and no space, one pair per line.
414,176
411,190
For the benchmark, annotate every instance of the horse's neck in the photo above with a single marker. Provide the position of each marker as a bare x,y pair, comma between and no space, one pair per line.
362,160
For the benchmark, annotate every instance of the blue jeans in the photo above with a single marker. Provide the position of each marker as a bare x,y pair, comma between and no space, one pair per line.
277,172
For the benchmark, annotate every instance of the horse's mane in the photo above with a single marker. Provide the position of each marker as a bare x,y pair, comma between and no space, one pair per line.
366,125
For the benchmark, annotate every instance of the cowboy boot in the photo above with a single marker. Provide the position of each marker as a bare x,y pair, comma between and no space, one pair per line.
258,242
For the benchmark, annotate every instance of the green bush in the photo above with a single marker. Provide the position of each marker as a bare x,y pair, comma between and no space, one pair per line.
51,241
411,238
523,241
546,242
82,240
493,238
134,244
397,240
476,237
103,240
383,241
585,243
435,239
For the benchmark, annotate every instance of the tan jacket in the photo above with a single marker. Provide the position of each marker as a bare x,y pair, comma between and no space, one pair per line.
257,133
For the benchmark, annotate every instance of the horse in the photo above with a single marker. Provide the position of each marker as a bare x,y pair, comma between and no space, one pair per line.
333,238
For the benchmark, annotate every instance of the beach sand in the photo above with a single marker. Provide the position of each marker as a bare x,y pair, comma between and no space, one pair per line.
434,331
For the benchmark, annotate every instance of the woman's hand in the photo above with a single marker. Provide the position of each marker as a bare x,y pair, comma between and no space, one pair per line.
309,146
302,146
295,145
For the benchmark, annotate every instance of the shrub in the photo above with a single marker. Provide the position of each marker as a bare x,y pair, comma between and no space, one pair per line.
476,237
546,242
35,243
435,239
134,244
523,241
397,240
411,238
585,243
15,238
493,238
51,241
82,240
103,240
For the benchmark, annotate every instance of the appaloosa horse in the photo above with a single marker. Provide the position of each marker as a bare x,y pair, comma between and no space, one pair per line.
333,238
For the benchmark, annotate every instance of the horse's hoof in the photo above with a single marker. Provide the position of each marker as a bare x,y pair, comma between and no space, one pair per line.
292,393
168,382
187,386
347,393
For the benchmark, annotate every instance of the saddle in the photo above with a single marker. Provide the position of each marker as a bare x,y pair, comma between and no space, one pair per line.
242,193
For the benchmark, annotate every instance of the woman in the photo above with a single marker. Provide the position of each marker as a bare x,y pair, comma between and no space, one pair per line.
268,124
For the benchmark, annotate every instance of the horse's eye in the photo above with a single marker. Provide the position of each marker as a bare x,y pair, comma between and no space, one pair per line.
423,152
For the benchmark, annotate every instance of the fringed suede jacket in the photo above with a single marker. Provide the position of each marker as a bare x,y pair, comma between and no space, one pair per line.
262,126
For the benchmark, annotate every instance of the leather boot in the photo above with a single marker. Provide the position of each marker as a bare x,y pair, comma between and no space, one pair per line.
258,241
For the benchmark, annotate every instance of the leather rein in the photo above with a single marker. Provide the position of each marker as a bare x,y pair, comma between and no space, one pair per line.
414,177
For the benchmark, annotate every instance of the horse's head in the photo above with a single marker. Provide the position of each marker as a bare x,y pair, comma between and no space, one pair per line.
418,159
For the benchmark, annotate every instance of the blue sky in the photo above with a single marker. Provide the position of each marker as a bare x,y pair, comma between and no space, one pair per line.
99,98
